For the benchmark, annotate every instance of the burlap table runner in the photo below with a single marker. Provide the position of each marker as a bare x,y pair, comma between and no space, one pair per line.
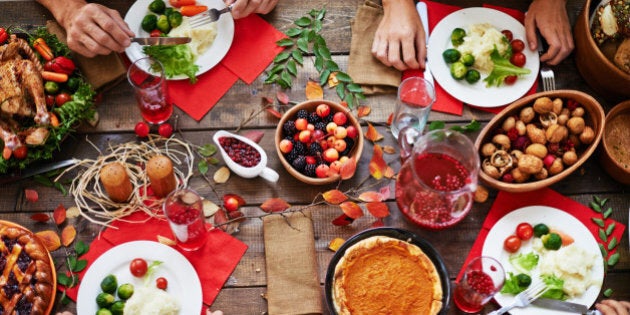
367,71
292,281
102,72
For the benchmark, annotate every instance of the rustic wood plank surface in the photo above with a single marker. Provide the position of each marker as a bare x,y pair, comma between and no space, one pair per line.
243,293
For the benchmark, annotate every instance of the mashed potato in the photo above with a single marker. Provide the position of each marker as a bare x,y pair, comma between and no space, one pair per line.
201,37
151,301
479,41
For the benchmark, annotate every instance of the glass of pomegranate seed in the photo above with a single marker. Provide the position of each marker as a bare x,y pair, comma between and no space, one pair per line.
483,278
184,212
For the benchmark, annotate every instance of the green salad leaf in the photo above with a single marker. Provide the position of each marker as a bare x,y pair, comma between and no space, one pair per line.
502,68
554,288
176,59
524,262
511,285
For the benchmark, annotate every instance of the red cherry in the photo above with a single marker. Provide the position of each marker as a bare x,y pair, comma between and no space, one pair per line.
165,130
142,129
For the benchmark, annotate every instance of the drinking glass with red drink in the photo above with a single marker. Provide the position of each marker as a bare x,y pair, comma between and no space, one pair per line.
415,99
146,75
483,278
184,212
435,185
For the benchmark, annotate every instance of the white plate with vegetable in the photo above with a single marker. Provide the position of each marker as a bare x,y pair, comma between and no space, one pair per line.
207,60
478,94
555,219
183,283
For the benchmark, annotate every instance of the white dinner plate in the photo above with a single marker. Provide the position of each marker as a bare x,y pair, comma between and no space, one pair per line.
478,94
183,282
209,59
506,226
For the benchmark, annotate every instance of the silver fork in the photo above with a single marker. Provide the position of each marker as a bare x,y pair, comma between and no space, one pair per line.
548,79
211,15
524,298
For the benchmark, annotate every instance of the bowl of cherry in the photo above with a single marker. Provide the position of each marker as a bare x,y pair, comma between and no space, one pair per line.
315,138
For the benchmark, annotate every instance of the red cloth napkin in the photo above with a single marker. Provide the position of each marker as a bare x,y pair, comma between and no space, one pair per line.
507,202
253,48
214,262
445,102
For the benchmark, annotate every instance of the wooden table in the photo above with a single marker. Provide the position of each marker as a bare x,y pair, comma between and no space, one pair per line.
243,293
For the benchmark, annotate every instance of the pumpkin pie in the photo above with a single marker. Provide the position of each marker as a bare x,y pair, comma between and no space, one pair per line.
384,275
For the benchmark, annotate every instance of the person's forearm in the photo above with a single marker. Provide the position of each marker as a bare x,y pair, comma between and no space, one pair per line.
61,9
387,3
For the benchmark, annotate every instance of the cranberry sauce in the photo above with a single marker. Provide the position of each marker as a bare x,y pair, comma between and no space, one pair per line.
240,152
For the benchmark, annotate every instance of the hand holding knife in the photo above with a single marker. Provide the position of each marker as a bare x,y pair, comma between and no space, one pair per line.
424,16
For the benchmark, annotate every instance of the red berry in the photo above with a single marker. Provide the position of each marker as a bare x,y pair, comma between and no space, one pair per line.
20,152
352,132
340,118
231,204
142,129
286,146
322,110
322,171
165,130
310,159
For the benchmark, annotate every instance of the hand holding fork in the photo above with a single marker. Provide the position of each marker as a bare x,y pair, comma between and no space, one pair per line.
524,298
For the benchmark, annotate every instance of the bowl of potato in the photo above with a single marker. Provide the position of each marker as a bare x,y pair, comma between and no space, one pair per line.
539,140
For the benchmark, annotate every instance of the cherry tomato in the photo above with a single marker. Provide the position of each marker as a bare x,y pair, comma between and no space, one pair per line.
507,34
510,79
62,98
20,152
50,100
524,231
161,283
512,243
138,267
518,59
517,45
142,129
165,130
155,33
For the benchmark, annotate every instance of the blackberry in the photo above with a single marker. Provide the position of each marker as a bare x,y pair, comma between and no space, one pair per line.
309,170
302,113
320,125
315,149
289,128
328,118
299,163
291,156
313,118
299,148
349,145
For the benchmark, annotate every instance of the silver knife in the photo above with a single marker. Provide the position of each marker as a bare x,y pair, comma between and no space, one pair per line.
36,170
561,305
160,40
424,16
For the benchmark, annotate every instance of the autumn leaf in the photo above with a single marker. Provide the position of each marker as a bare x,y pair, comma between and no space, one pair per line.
221,175
371,196
314,91
334,196
363,111
40,217
273,112
344,104
342,220
166,241
275,205
266,100
378,223
50,239
372,134
31,195
254,135
220,218
59,214
377,209
377,165
332,80
390,118
209,208
68,234
385,191
389,149
73,212
351,209
335,243
282,97
348,168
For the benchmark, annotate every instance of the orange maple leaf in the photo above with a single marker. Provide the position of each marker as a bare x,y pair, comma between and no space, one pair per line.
351,209
372,134
378,209
363,111
334,196
378,167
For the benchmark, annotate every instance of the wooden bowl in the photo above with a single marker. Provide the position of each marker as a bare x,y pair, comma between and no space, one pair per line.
615,156
310,107
594,117
597,70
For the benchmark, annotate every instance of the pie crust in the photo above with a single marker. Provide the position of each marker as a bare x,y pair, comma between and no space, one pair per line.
27,273
384,275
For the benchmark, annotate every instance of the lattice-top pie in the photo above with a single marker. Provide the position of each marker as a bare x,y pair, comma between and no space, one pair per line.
384,275
27,281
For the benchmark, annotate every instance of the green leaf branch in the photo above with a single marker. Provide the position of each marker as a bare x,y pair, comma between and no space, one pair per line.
305,39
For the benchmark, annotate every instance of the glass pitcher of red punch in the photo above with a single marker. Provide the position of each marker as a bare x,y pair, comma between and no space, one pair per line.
435,186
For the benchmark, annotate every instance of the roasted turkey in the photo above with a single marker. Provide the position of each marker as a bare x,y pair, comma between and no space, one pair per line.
21,94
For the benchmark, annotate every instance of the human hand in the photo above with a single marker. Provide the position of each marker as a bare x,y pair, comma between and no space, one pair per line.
400,32
208,312
93,29
243,8
65,313
612,307
552,21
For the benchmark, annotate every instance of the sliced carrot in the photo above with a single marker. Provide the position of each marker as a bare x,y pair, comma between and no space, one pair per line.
54,76
54,121
566,238
43,49
180,3
190,10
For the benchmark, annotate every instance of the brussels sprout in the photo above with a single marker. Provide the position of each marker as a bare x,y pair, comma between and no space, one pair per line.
552,241
105,300
540,229
458,70
472,76
175,19
163,25
149,23
157,6
118,307
109,284
51,87
468,60
73,84
457,36
451,55
523,280
168,11
103,311
125,291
